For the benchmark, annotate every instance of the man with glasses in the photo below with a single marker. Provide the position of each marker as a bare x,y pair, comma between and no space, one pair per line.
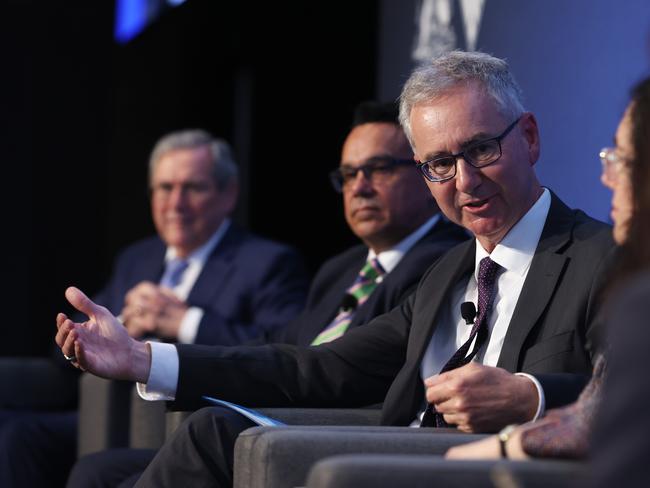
498,329
389,208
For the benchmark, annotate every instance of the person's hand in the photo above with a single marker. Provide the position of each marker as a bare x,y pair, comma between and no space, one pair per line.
101,345
489,448
152,309
479,398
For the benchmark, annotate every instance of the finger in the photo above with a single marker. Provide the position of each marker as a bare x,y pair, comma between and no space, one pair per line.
440,393
80,354
434,380
143,291
60,318
81,302
63,332
68,346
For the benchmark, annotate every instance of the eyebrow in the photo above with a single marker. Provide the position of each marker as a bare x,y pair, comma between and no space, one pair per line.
478,137
368,160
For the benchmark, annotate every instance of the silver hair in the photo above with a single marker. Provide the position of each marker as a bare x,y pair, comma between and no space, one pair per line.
224,167
431,81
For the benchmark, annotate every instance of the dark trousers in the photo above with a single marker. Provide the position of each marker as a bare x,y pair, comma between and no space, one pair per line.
113,468
200,453
36,448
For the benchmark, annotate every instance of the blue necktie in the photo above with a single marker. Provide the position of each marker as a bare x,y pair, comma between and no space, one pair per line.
174,272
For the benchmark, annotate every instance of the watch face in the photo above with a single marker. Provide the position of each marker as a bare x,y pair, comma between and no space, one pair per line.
506,431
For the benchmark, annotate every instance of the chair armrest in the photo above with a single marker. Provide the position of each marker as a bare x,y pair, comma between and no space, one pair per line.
277,457
147,422
372,470
104,407
299,416
30,383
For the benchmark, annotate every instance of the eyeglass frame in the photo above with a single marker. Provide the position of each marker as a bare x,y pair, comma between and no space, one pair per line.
338,181
498,139
612,163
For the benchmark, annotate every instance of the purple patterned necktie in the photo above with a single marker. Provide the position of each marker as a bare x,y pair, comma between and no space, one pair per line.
487,272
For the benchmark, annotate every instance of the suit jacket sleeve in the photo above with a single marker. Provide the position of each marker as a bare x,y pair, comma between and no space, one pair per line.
355,370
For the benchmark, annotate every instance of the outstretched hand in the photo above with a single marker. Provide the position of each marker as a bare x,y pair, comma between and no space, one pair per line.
101,345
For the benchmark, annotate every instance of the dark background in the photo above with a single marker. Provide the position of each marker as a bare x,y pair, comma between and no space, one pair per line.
81,113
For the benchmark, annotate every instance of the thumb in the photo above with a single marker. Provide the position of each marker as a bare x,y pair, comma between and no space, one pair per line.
81,302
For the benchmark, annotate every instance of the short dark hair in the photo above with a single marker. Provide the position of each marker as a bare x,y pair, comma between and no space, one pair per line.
373,112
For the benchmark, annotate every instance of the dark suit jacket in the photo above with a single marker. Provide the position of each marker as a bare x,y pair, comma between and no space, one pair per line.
338,273
549,336
247,287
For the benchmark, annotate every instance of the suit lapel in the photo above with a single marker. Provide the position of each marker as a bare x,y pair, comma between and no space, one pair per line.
434,293
545,270
151,265
214,275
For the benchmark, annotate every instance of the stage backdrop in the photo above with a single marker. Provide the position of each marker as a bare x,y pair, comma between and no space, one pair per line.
575,60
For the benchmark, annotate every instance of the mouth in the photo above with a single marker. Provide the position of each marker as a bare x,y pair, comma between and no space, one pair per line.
365,213
477,206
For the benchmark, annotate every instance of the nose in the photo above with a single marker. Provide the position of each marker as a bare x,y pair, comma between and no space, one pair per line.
361,184
467,176
607,180
177,197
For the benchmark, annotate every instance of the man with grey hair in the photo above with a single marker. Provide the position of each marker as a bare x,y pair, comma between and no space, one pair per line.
500,328
200,280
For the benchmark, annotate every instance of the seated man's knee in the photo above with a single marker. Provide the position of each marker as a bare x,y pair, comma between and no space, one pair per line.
108,468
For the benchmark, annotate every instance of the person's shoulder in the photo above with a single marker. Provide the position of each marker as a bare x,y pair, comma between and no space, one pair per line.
358,252
587,226
141,247
584,228
259,248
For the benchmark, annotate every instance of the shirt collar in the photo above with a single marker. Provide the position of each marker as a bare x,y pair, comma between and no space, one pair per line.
390,258
516,250
200,255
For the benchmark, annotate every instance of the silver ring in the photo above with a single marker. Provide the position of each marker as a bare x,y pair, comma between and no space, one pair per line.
70,358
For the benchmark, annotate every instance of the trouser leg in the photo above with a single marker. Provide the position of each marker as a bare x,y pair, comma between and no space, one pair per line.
200,453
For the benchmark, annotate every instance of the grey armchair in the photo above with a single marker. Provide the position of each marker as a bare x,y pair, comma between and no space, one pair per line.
275,457
372,470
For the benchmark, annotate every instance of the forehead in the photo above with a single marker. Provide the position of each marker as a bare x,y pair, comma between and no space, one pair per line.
183,164
374,139
624,132
461,114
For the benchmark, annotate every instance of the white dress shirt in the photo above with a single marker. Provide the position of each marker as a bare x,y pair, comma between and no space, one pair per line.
196,261
163,376
514,254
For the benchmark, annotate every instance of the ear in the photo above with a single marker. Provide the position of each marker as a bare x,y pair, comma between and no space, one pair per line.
531,135
230,194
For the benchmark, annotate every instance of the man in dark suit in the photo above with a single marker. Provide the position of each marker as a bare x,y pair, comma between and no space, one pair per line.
388,207
534,269
200,280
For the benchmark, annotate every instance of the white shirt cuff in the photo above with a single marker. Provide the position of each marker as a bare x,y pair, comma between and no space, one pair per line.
163,376
541,405
189,327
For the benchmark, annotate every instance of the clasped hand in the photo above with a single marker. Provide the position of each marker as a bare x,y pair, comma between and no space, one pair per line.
152,309
478,398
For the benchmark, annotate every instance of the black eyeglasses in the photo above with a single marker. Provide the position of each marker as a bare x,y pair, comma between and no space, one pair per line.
375,170
478,154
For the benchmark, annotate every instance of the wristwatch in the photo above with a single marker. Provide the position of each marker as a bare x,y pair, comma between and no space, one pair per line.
503,436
